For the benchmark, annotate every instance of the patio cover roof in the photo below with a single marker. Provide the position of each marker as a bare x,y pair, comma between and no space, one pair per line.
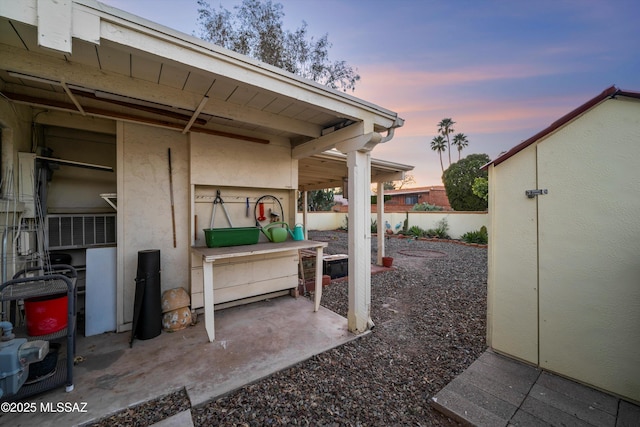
120,66
329,169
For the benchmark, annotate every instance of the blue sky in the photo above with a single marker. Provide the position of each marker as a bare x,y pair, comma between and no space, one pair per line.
501,69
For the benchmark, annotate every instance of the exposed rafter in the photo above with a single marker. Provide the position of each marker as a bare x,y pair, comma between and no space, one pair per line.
195,114
99,112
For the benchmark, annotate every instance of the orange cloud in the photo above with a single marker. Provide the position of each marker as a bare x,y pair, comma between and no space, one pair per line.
424,98
400,79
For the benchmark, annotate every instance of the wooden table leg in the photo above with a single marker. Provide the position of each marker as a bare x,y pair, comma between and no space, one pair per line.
209,324
318,290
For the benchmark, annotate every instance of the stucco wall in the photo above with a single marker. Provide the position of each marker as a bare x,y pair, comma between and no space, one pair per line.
588,265
220,161
144,213
240,170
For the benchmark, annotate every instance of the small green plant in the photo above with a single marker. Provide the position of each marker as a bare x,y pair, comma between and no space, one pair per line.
478,236
345,225
441,231
424,206
405,224
374,226
415,231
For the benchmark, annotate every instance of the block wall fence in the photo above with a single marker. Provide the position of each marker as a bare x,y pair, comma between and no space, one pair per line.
459,222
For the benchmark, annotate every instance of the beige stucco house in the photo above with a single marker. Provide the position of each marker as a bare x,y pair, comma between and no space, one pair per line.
564,247
97,97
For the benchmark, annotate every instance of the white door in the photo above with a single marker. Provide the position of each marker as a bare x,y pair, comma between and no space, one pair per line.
513,274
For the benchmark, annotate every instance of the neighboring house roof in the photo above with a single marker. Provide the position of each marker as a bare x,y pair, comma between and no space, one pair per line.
610,92
415,190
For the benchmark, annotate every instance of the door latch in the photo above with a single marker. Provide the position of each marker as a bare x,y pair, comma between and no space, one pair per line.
533,193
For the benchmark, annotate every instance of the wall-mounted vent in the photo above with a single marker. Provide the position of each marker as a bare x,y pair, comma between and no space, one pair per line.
81,231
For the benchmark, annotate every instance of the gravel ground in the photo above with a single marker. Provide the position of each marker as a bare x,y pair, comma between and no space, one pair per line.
430,317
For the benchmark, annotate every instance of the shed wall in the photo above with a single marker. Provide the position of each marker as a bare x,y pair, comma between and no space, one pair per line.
586,308
589,266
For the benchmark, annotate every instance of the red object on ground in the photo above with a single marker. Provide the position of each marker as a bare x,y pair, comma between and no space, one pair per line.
326,280
311,284
46,315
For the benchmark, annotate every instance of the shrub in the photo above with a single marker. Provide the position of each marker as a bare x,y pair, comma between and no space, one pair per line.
441,231
415,231
478,236
374,226
424,206
458,181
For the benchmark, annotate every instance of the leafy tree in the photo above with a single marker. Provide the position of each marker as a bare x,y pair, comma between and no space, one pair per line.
445,128
439,144
256,30
320,200
458,180
460,141
480,188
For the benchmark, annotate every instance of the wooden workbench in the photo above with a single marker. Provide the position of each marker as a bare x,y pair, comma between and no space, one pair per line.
211,255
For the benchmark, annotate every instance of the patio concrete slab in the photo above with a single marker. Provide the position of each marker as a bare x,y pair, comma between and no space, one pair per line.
499,391
181,419
628,415
252,342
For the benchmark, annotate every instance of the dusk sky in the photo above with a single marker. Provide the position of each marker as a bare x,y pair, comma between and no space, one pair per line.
502,70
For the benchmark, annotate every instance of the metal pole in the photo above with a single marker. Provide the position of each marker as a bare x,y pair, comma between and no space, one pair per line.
173,213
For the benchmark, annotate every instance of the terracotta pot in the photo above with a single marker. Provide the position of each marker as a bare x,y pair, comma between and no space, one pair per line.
387,261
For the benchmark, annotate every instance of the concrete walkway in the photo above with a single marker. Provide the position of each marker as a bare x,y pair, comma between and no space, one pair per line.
499,391
252,342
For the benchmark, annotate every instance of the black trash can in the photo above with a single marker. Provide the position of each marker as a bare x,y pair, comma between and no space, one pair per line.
147,314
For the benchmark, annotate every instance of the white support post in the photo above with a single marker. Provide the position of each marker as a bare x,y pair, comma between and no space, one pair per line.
380,222
358,316
305,213
209,322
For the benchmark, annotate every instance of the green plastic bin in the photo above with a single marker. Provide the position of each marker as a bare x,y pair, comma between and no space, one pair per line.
235,236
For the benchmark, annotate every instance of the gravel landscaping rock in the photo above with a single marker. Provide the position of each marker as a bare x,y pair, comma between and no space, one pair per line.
430,325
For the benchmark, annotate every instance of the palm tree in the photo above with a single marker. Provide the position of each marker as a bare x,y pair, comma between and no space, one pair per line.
445,127
460,140
439,144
